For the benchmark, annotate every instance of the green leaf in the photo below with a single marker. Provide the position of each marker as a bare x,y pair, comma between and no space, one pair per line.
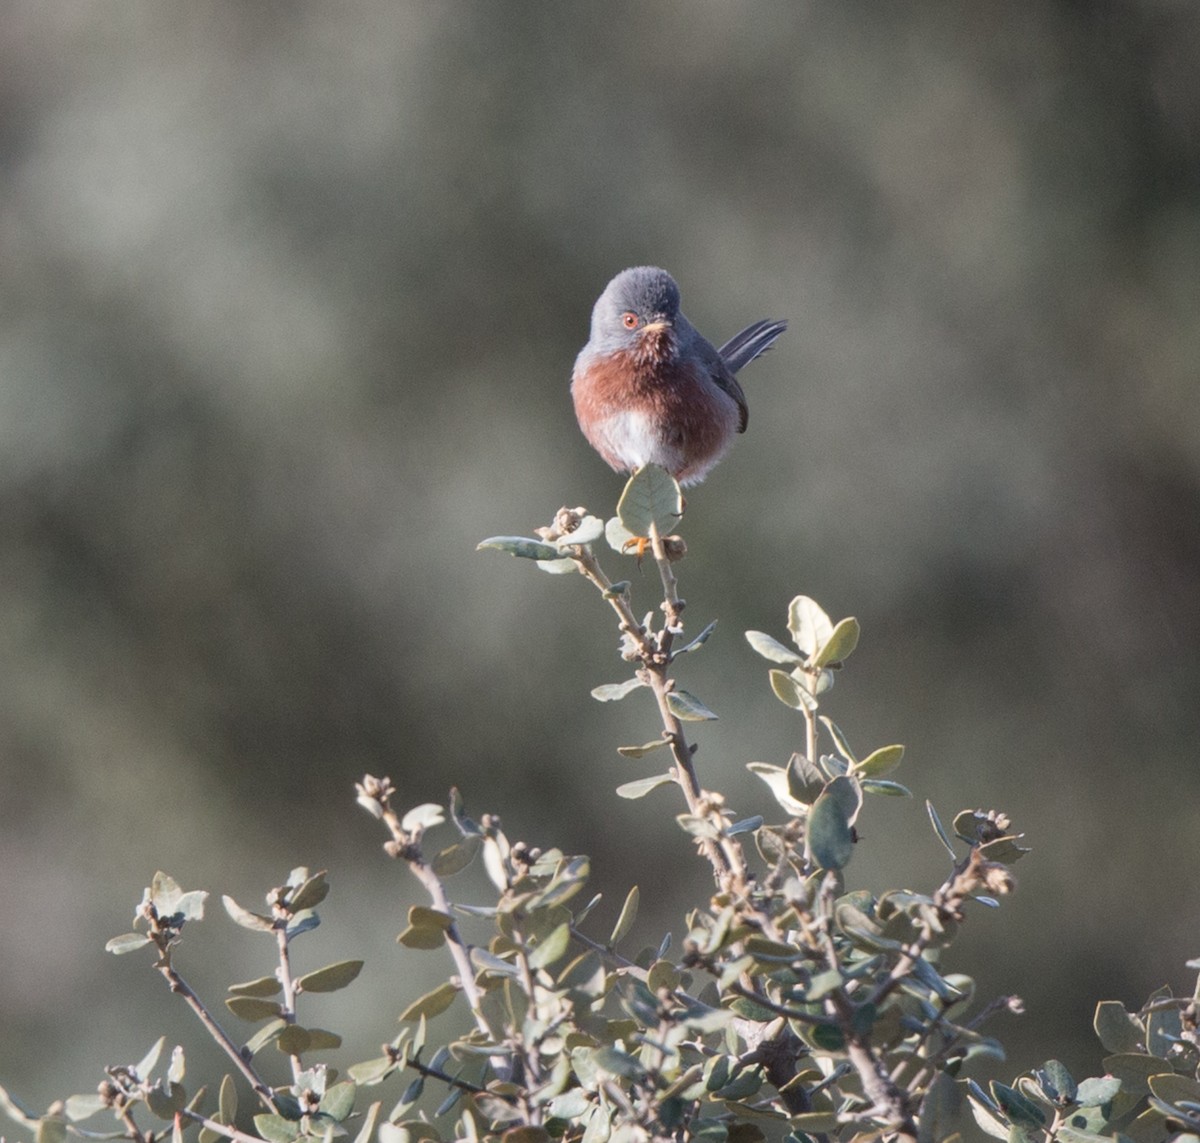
839,646
267,1034
430,1005
149,1061
617,1063
1170,1088
166,1101
80,1107
1097,1091
839,739
940,1110
1021,1111
368,1125
263,986
880,762
248,920
643,750
830,837
1116,1029
311,892
51,1129
564,566
625,921
940,830
319,1040
426,928
338,1101
126,943
252,1008
688,707
777,778
552,947
791,692
1134,1070
698,642
588,531
455,858
809,625
651,499
611,692
771,649
331,977
302,922
884,786
520,546
227,1101
643,786
276,1129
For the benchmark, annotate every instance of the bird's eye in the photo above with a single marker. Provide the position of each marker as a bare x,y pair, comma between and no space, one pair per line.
629,320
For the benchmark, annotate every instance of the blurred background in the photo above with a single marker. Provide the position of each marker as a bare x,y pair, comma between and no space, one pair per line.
291,294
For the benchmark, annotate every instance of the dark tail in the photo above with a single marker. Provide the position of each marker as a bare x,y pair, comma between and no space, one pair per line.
754,340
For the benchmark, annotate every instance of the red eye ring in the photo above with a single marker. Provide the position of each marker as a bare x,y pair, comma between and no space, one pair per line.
629,320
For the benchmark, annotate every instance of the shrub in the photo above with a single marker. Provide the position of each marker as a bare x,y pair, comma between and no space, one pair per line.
794,1008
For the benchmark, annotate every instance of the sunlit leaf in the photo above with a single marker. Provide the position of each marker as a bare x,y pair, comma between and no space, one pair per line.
455,858
791,692
625,921
520,546
643,750
642,786
611,692
650,498
245,918
809,625
688,707
770,648
263,986
126,943
253,1008
880,762
839,645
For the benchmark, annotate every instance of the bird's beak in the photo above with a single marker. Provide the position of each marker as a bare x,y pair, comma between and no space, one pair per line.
655,326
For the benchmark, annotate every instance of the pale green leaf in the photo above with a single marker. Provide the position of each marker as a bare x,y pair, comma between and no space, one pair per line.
772,649
625,921
643,750
809,625
520,546
839,645
330,978
688,707
611,692
651,498
642,786
880,762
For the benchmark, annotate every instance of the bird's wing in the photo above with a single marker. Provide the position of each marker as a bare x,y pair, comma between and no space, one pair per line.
715,366
754,340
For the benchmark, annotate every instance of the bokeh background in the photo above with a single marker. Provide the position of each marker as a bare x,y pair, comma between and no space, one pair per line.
290,297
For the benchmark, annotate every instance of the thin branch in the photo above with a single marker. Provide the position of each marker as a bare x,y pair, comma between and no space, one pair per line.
181,987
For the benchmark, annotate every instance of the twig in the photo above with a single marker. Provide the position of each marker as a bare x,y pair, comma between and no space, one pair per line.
181,987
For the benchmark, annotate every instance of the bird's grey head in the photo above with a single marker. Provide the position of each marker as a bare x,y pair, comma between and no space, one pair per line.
639,304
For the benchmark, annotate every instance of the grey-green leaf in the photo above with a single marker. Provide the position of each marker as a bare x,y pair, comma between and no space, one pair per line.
791,692
126,943
688,707
611,692
625,920
332,977
520,546
650,498
642,786
248,920
839,645
643,750
809,625
830,837
772,649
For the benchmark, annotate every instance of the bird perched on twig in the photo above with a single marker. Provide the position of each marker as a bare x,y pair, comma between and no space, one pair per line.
649,389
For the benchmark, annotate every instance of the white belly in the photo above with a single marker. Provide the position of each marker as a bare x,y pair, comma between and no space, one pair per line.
631,438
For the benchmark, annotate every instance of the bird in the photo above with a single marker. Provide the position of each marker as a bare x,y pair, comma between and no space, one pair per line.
648,388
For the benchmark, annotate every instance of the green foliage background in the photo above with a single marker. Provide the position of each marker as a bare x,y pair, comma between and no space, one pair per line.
290,296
